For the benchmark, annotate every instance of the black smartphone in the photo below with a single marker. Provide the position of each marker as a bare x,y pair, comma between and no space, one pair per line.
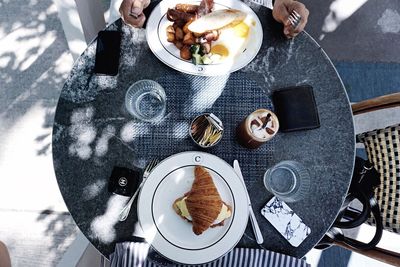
107,53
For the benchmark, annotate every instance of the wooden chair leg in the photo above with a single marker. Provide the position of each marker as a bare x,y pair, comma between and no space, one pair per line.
379,254
377,103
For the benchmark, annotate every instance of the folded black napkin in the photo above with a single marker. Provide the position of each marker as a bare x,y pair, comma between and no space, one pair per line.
295,108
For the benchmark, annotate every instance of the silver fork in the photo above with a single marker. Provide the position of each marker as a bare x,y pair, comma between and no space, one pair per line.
125,211
294,19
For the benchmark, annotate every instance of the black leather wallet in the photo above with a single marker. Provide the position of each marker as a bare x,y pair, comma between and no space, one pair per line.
295,108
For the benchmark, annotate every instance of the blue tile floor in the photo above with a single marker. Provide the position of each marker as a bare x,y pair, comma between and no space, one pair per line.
364,80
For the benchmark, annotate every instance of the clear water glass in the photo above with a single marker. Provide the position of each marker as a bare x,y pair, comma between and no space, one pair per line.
288,180
146,100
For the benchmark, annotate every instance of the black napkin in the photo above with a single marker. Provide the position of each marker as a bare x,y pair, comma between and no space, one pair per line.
295,108
123,181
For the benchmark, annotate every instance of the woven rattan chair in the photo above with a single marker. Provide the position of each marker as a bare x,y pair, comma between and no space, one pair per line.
383,150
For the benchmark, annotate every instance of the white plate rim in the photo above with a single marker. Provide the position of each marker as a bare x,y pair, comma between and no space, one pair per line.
198,256
156,46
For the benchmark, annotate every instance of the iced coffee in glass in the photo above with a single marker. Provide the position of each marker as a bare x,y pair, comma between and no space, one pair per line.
257,128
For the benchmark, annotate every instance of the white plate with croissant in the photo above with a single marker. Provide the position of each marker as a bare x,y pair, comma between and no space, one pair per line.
193,208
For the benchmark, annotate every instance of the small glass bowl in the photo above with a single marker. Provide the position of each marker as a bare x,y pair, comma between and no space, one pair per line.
206,130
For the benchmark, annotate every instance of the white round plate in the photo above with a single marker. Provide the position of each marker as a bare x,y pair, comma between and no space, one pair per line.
172,236
169,54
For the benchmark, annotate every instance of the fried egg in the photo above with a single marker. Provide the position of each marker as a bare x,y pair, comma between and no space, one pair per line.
232,41
225,212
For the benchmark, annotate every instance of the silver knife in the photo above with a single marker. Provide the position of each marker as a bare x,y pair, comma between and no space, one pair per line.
254,223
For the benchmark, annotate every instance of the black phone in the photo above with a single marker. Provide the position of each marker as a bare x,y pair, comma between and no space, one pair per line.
107,53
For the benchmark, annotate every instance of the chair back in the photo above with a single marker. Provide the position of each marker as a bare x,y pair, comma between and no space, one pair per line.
383,151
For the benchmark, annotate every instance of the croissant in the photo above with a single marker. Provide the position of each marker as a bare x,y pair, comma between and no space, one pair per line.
202,205
203,201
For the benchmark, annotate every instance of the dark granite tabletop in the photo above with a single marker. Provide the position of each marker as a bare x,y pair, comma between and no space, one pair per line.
93,132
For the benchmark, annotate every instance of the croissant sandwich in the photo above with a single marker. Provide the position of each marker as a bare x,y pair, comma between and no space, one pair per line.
202,205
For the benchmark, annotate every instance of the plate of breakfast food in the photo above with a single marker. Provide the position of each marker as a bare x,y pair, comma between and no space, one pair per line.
193,208
208,37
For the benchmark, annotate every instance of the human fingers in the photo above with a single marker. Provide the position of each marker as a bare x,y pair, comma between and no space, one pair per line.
293,30
125,8
146,3
280,12
300,8
136,22
289,31
138,6
303,12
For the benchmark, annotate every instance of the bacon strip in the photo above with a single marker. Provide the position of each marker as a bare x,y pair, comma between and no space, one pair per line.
205,7
174,15
188,8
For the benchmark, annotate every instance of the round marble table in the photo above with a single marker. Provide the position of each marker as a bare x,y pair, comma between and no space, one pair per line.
92,133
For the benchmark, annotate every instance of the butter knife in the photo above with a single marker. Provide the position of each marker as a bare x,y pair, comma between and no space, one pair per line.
254,223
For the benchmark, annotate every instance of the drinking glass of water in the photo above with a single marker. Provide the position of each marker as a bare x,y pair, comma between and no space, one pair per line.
288,180
146,100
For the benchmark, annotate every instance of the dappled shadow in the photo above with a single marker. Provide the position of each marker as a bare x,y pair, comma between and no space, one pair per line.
56,221
34,63
60,230
90,111
28,80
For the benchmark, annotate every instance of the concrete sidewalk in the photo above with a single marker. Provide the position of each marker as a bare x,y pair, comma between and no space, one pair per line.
34,62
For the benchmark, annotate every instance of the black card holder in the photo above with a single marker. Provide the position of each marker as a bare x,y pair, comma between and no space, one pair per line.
123,181
295,108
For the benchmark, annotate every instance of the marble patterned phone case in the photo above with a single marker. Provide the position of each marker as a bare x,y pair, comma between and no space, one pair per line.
283,218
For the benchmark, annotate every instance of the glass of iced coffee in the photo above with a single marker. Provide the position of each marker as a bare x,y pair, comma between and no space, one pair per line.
257,128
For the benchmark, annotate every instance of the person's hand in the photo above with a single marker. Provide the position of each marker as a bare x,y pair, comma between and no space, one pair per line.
283,9
132,12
